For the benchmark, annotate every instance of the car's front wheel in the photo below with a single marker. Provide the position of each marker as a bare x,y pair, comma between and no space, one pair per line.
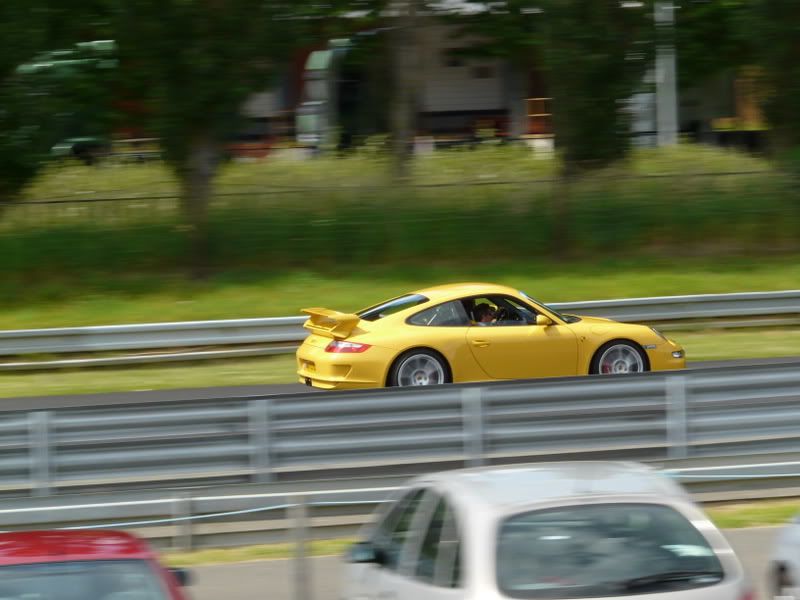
618,357
782,587
419,367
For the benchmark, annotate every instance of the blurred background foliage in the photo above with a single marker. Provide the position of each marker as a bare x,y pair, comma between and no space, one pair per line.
463,205
193,62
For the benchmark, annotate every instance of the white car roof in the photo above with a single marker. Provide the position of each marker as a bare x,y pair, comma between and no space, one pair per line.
540,483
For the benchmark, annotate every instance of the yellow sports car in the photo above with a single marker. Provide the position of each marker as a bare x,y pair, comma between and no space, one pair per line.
470,332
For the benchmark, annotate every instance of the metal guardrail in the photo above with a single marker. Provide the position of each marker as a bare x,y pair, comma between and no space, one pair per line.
727,433
281,334
654,416
191,518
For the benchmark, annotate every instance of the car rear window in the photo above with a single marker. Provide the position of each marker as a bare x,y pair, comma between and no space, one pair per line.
448,314
601,550
82,580
392,306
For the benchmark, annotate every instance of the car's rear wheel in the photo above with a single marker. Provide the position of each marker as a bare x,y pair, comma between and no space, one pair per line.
618,357
419,367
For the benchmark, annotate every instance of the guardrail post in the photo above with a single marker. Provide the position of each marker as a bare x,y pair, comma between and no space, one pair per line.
182,512
258,421
40,452
677,424
473,426
301,569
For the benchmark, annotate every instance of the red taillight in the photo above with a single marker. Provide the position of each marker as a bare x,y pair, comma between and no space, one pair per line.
339,347
748,595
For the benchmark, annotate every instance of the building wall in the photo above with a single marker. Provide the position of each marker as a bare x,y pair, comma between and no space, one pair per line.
449,84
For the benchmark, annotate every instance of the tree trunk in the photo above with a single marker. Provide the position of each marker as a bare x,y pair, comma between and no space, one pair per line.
196,180
516,97
560,214
403,105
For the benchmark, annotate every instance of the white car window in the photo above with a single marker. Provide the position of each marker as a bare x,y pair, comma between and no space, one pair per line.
601,550
429,551
448,562
438,561
392,533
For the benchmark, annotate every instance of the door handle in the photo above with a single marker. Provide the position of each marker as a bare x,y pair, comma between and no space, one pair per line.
480,343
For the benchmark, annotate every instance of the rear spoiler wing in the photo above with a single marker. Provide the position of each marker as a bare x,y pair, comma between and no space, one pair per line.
330,323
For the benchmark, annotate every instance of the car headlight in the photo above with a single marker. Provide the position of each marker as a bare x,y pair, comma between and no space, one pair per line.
659,334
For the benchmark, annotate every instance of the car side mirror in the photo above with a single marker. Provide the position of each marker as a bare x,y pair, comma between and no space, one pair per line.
365,552
543,320
182,576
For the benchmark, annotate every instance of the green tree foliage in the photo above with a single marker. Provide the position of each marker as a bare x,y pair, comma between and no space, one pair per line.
36,103
594,55
23,31
777,34
194,62
712,36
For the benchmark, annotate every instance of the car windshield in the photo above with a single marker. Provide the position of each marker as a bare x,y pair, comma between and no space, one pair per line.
565,318
602,550
82,580
385,309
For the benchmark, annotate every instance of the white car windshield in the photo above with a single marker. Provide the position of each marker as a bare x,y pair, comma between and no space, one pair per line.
602,550
82,580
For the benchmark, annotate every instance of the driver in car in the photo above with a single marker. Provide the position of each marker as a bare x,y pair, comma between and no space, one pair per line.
485,313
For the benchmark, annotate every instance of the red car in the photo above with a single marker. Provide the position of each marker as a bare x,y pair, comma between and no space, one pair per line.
84,565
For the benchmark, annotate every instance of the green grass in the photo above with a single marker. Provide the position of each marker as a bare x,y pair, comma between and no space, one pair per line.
248,553
362,169
63,301
725,516
741,343
753,514
335,212
486,164
252,371
711,345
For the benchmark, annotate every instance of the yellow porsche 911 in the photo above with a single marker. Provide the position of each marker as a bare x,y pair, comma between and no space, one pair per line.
470,332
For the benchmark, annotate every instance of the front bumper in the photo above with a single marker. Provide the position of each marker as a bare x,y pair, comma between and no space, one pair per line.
330,371
666,357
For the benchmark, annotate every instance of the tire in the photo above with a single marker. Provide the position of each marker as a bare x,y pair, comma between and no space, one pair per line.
419,367
619,357
781,584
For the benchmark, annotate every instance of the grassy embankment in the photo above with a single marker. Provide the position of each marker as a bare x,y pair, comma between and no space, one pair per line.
463,207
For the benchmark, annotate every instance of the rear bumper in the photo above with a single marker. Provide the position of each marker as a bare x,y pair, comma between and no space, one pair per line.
329,371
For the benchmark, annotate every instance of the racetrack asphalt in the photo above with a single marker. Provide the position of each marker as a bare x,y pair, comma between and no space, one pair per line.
245,391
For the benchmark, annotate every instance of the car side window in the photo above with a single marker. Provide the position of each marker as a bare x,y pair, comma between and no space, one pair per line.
429,551
498,311
448,314
448,563
438,562
392,534
519,312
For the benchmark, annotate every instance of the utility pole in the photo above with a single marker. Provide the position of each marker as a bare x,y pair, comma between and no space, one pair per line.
666,92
